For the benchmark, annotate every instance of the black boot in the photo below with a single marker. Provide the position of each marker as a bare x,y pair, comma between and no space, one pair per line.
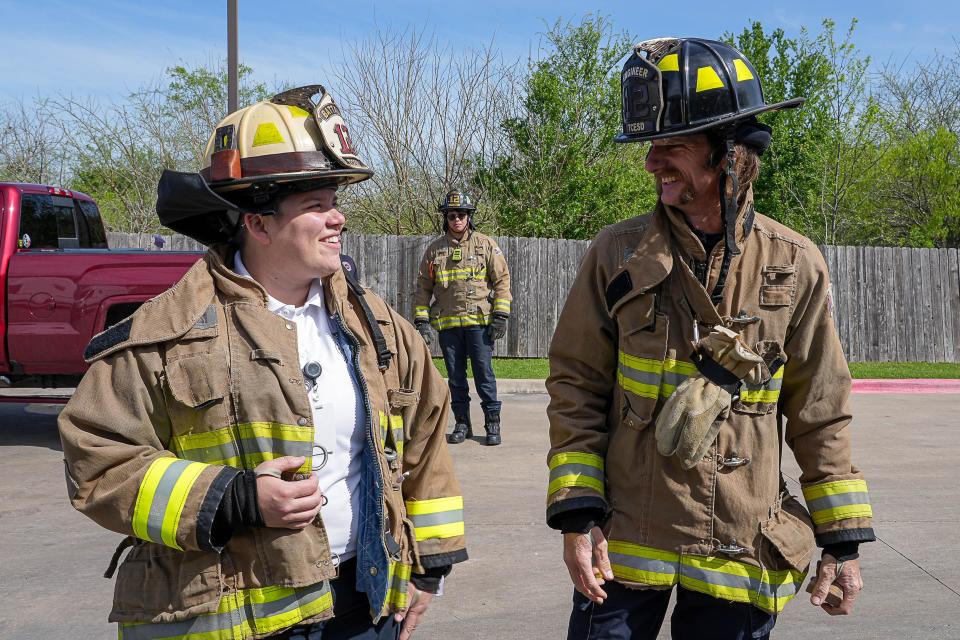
492,426
461,430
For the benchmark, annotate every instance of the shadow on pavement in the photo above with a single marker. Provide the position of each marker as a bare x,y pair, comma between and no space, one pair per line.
30,425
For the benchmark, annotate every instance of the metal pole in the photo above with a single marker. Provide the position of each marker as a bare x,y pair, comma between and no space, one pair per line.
232,79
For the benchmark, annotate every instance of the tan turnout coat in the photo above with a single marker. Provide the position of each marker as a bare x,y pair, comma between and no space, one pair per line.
467,291
728,527
204,380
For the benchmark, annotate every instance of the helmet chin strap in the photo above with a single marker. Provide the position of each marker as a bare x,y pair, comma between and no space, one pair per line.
728,206
728,212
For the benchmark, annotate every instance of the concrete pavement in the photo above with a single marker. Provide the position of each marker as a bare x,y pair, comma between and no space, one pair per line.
515,585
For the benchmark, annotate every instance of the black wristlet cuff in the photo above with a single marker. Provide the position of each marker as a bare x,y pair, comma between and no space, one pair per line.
238,508
429,581
843,551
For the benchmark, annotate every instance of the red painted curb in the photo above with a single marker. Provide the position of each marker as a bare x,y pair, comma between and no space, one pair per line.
919,385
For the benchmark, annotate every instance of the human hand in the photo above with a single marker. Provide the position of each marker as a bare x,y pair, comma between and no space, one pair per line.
846,575
424,329
286,504
417,603
585,555
498,326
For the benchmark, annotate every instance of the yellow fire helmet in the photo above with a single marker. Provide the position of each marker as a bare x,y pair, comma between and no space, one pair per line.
256,155
288,138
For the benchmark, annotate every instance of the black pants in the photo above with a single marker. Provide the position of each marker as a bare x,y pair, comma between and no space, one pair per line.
457,345
351,611
637,614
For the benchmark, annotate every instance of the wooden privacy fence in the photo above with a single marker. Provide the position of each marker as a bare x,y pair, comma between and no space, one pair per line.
890,304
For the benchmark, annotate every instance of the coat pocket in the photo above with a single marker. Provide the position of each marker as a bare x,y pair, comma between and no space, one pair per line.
197,381
642,348
779,284
790,533
159,584
197,386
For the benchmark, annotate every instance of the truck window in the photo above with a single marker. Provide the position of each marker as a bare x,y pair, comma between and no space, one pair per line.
93,234
47,222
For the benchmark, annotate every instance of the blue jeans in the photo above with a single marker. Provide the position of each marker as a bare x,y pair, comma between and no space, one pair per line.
457,345
637,614
351,611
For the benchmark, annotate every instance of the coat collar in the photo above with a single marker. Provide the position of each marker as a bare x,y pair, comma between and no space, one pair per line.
653,258
686,239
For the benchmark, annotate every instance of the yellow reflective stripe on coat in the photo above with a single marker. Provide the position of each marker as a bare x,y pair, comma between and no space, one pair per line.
575,469
499,304
675,372
838,500
769,392
421,312
396,428
160,499
465,320
241,614
397,580
640,376
651,378
259,442
445,276
436,518
718,577
383,429
392,425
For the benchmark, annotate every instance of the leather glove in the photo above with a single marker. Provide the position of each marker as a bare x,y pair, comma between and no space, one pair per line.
692,415
726,348
498,326
424,328
691,419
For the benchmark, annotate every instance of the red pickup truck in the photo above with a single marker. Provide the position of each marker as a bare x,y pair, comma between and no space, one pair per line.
60,284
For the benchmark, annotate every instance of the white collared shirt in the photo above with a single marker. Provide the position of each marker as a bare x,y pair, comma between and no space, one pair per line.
335,404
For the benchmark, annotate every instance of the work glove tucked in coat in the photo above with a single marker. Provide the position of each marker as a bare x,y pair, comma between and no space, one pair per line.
692,415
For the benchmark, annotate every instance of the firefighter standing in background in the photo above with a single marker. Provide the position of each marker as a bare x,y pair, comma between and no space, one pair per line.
686,335
465,274
267,434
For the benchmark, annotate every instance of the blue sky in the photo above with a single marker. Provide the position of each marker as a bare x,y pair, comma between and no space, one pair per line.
107,48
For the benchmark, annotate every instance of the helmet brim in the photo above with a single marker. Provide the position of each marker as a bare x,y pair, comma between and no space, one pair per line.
793,103
340,177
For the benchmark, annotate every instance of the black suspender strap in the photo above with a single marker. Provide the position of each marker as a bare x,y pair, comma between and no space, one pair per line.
379,342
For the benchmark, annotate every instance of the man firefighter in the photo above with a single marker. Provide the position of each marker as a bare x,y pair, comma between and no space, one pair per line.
687,335
267,434
465,274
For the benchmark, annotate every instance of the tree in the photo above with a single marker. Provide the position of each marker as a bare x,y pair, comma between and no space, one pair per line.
916,192
31,144
119,150
561,174
422,114
814,176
